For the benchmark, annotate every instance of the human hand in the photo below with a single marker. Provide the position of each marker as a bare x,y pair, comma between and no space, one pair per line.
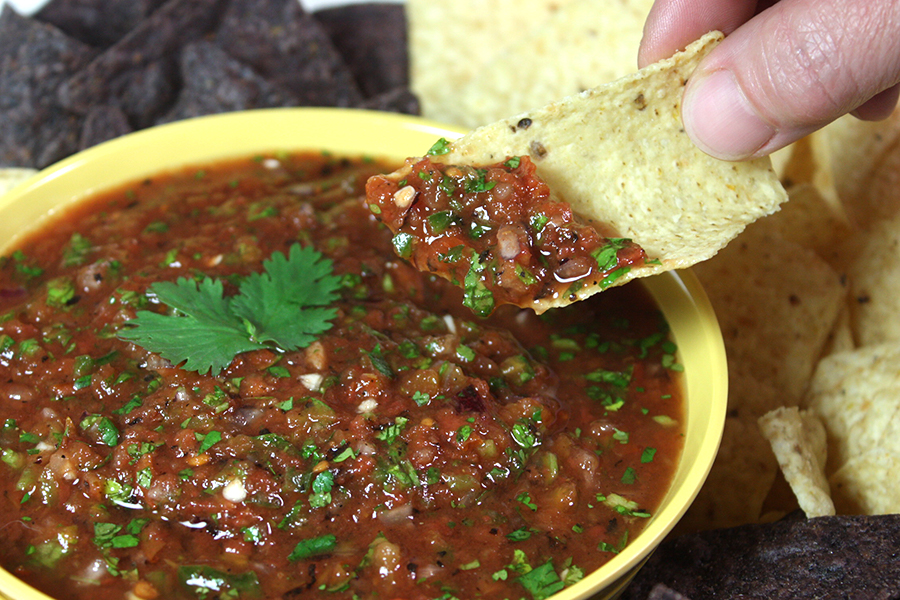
784,69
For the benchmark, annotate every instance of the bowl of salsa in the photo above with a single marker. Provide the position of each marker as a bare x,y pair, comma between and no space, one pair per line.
219,380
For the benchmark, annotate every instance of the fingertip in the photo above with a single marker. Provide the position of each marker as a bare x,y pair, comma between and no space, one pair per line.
720,120
878,107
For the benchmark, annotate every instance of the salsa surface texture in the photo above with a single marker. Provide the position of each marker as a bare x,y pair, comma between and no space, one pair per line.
413,450
497,232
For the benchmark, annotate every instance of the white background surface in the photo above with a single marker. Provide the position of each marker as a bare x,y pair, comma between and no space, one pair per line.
26,7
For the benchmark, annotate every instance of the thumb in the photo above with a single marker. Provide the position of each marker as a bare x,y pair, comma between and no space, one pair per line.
792,69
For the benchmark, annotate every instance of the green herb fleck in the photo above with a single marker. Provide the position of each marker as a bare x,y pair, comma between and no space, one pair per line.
439,148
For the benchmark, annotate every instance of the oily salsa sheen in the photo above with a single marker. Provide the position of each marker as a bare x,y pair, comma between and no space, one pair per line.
497,232
398,447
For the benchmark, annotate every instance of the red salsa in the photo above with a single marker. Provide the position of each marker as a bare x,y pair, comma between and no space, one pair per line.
496,232
342,427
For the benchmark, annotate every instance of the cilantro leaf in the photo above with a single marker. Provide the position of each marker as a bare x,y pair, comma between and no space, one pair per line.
203,334
277,303
285,307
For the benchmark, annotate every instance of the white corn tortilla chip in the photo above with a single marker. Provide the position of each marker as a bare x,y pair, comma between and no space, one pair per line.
775,316
855,149
868,484
450,41
738,482
582,45
857,396
812,221
798,441
875,284
618,155
13,176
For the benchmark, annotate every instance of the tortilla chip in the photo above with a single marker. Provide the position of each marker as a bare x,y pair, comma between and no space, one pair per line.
875,284
618,155
99,23
809,163
290,49
103,123
450,41
145,92
882,196
371,38
798,441
34,59
400,100
748,396
595,40
176,23
868,484
216,83
857,396
738,482
780,159
812,221
841,337
854,150
825,557
10,178
775,319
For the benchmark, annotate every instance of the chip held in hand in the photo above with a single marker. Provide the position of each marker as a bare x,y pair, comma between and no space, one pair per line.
616,158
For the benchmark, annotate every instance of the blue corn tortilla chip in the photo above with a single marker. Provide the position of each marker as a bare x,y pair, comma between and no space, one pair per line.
146,92
289,48
103,123
371,38
98,23
34,59
823,557
215,83
176,23
400,100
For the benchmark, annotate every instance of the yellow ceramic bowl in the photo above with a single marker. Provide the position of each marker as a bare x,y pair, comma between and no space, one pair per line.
394,137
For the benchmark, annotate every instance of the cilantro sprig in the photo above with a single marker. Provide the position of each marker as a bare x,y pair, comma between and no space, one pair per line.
286,307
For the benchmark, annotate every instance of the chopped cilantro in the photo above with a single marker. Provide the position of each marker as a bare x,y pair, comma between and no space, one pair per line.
380,362
478,184
538,222
648,454
60,292
525,498
542,582
321,488
313,547
207,440
519,535
477,296
403,244
440,147
76,250
390,433
607,255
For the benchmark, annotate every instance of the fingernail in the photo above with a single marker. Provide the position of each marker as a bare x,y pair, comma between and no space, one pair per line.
720,120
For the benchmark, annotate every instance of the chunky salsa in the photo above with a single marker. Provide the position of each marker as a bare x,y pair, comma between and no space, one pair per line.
497,232
315,418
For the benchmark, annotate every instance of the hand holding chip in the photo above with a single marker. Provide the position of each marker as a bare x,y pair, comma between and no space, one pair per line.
786,68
